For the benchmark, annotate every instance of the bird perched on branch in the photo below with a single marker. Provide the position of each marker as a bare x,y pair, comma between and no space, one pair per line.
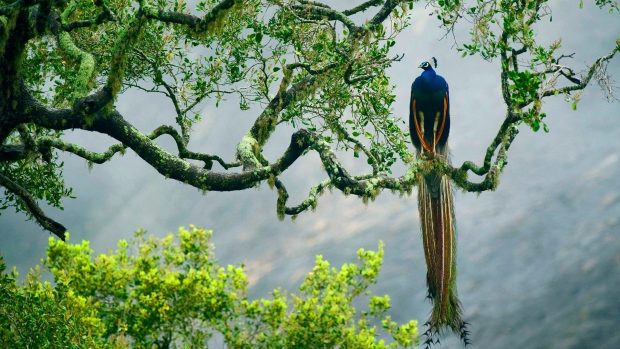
429,126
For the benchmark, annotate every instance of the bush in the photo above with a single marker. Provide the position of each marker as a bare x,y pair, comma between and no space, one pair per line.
171,292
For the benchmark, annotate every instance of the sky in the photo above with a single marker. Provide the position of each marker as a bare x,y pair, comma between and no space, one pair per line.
538,259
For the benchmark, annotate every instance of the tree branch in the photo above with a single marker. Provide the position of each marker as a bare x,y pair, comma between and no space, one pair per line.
249,149
310,202
16,5
12,152
100,158
312,11
158,79
101,18
384,12
33,208
105,15
114,125
87,63
349,64
191,21
584,81
510,120
362,7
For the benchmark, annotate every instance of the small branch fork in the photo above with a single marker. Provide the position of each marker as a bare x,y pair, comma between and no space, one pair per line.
96,112
580,84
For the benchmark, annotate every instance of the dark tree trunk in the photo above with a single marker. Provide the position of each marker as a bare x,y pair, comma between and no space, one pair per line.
12,49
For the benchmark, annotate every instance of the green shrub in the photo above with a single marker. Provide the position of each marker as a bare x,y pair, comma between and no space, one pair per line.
171,292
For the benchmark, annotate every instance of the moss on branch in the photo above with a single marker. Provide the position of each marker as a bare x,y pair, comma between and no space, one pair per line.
86,65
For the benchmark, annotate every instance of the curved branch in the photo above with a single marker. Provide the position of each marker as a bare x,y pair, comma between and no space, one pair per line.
185,153
362,7
34,209
384,12
100,158
101,18
313,11
310,202
105,15
586,79
87,62
491,179
510,120
250,147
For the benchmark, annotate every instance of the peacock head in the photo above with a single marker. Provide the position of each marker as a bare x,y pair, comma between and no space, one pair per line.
426,65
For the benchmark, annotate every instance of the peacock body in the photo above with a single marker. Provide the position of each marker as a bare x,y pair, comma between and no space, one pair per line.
429,125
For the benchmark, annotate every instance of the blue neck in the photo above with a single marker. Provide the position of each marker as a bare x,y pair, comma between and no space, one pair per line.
429,74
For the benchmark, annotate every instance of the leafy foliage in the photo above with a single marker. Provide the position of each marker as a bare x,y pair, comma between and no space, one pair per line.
311,65
171,292
303,64
508,29
40,173
38,315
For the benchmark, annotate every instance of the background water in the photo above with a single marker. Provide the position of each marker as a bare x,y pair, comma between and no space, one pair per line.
538,259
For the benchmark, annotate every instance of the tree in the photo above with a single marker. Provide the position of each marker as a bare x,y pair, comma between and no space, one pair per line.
304,63
171,292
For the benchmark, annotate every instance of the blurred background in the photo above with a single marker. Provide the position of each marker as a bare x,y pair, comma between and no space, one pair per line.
538,259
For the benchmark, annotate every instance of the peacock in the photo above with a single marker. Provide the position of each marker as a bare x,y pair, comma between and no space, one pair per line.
429,126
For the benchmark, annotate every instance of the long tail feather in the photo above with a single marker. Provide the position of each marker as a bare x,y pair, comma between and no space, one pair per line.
439,238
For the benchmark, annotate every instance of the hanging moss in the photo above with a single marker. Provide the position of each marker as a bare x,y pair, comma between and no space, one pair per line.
86,67
127,37
246,152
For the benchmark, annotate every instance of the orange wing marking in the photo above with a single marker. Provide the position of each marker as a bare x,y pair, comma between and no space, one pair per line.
443,121
417,128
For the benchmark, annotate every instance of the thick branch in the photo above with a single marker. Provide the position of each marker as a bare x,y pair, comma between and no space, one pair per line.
12,152
320,12
384,12
362,7
16,5
105,15
249,149
191,21
87,63
101,18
